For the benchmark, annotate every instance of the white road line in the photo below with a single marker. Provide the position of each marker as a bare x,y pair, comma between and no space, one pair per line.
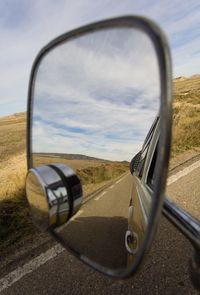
35,263
182,173
32,265
101,195
111,186
76,215
118,181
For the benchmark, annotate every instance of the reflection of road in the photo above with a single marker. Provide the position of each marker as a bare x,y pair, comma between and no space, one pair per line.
98,230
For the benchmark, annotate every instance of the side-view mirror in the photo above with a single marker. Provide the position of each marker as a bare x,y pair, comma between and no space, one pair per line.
135,162
54,193
97,96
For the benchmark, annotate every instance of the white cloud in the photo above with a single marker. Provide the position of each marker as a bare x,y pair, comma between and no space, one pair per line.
27,26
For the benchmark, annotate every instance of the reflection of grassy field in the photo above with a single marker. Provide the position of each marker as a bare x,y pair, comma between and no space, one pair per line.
93,173
39,159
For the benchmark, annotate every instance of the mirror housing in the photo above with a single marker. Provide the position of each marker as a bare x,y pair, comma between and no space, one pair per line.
165,113
135,162
54,194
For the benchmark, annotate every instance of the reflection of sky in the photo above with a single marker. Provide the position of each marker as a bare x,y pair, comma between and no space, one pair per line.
97,95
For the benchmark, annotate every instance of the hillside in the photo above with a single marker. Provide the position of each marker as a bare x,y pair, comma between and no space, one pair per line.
186,114
12,136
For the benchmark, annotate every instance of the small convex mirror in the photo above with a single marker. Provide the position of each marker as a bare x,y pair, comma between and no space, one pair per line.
96,106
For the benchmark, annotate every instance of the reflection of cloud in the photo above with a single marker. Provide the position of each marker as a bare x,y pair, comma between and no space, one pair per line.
121,69
98,146
97,95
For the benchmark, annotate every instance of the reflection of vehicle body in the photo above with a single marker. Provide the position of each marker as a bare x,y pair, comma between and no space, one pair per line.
142,168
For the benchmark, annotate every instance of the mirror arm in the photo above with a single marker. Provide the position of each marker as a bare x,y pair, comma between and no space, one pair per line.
190,228
188,225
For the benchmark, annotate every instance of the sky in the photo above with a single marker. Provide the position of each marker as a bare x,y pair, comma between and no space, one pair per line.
89,98
26,26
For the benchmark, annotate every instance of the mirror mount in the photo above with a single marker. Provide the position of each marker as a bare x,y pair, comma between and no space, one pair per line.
195,268
185,223
190,228
54,194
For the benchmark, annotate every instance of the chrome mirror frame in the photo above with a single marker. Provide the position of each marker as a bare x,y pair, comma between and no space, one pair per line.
163,54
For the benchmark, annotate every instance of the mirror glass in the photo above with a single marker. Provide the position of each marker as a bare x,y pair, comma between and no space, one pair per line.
95,107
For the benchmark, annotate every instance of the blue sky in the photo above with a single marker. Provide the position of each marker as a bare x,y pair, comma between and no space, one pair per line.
26,26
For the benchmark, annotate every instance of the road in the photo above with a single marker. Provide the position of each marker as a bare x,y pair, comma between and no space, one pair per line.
165,270
185,191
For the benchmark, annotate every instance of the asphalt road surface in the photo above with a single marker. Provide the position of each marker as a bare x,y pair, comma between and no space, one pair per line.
164,271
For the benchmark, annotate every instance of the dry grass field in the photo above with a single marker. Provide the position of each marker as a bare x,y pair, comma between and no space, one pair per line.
12,155
12,136
15,221
186,115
